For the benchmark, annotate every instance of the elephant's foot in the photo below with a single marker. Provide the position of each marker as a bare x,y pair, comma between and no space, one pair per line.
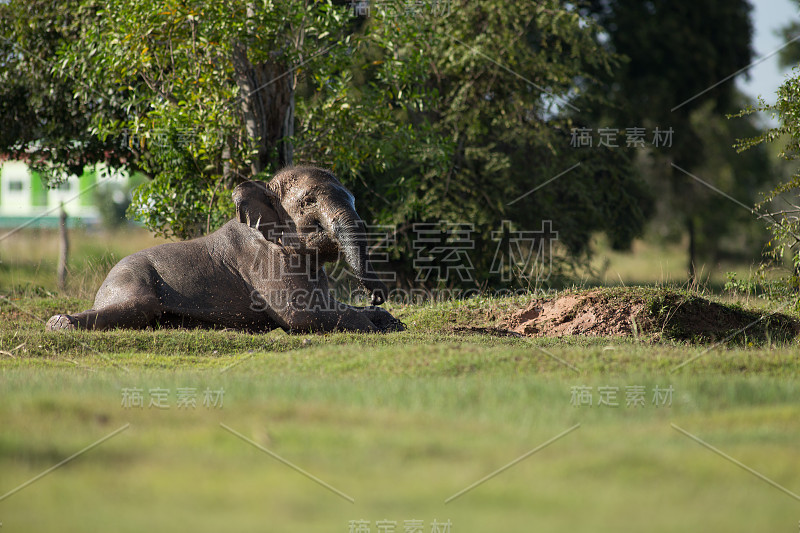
58,322
384,320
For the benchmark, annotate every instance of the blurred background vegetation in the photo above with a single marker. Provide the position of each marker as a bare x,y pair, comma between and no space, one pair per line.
451,111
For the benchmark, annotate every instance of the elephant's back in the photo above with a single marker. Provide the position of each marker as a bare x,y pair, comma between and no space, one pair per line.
175,270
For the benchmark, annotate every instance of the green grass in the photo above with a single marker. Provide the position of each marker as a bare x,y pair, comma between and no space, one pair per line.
436,344
399,422
29,258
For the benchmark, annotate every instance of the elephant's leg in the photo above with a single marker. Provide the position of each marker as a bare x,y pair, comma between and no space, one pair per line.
314,310
335,317
138,313
328,320
380,318
126,299
339,316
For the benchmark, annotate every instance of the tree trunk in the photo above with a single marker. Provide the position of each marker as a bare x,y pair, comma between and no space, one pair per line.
63,250
266,91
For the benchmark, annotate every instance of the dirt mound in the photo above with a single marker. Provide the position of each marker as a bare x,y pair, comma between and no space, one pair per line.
652,312
576,314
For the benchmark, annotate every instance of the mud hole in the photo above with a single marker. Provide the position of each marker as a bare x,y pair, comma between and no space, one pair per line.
654,314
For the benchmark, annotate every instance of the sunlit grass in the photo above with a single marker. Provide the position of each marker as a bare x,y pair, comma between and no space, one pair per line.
29,258
399,422
400,447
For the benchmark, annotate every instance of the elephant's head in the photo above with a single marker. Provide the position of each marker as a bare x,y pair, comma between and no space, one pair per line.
309,211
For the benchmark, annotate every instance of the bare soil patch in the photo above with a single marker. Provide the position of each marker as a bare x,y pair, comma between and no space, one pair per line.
648,312
577,314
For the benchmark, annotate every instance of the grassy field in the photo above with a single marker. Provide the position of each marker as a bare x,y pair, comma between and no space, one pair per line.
29,258
395,426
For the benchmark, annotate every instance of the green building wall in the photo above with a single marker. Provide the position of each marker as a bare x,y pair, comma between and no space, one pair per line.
38,191
87,182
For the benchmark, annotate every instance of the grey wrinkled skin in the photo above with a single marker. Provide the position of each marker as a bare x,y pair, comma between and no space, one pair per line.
260,271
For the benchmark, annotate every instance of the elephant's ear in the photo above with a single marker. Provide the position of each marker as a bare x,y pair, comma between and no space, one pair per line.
259,208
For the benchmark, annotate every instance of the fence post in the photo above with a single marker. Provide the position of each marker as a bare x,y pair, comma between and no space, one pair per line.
64,250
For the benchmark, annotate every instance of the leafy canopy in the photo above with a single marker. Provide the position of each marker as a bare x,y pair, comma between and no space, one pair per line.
454,116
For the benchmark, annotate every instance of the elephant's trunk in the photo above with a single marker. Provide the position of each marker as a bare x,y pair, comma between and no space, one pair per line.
351,234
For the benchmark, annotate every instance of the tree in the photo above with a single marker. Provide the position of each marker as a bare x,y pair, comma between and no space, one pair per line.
779,207
43,123
198,97
789,55
508,81
214,96
723,228
674,76
427,118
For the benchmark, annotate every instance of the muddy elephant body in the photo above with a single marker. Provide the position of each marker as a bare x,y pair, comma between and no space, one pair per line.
260,271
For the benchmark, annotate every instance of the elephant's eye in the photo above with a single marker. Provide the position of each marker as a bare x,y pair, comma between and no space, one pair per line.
308,200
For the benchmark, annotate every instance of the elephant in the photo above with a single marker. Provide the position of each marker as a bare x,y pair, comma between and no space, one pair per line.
262,270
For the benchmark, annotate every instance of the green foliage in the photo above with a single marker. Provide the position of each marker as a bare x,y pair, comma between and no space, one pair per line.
763,283
726,230
504,82
112,200
672,78
426,118
43,123
673,53
174,65
779,208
